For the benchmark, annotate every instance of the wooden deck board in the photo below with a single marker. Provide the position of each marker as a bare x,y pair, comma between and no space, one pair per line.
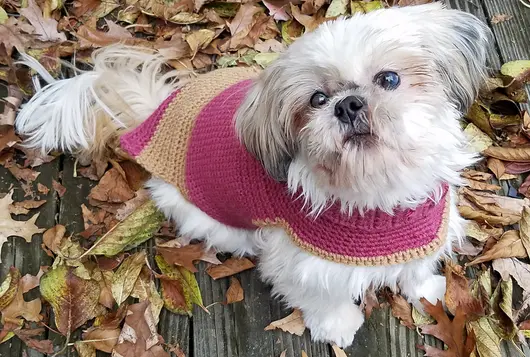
28,257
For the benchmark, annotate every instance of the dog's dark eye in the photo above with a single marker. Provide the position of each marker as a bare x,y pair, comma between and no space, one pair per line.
318,99
387,80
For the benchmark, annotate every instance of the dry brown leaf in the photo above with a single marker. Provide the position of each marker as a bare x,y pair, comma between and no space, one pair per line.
53,238
508,154
23,207
42,346
45,28
8,138
498,18
34,157
520,271
139,337
229,267
10,227
24,174
42,189
243,23
508,246
102,339
497,167
112,188
294,323
402,310
476,175
185,256
482,186
60,189
484,217
370,302
235,291
524,226
18,307
338,351
304,354
176,350
458,293
451,332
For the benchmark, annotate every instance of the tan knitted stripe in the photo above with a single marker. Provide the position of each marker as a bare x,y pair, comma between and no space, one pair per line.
165,155
395,258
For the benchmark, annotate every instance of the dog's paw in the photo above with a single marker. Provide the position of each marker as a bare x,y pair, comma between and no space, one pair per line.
432,289
337,326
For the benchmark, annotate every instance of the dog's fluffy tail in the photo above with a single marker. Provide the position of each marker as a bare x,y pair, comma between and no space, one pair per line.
82,114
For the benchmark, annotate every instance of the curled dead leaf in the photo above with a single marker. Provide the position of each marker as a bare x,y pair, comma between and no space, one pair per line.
293,323
235,291
229,267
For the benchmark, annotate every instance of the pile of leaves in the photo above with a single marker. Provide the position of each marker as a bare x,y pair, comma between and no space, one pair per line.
104,281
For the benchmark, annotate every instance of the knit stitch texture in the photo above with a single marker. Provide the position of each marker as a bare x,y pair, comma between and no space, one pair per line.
191,143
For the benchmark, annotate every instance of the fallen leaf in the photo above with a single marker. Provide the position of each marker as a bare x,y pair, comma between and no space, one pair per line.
484,217
458,293
24,174
104,278
42,189
451,332
53,238
497,167
10,227
482,186
524,226
402,310
478,141
304,354
42,346
487,341
498,18
229,267
60,189
180,289
337,8
23,207
8,138
520,271
509,245
145,289
185,256
277,12
112,188
508,154
370,302
84,349
139,337
138,227
294,324
74,300
362,7
235,291
102,339
9,288
45,29
242,24
338,351
125,277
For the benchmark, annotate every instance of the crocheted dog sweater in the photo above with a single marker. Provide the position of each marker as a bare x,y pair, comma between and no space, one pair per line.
191,143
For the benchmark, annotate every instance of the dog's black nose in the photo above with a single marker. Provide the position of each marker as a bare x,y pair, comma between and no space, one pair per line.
348,109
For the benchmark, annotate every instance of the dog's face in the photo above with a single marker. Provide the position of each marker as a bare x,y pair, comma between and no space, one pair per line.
362,105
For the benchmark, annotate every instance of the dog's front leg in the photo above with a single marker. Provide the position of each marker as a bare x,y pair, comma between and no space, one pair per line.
421,281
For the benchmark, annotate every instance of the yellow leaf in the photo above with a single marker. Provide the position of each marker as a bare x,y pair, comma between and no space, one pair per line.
477,140
515,68
337,8
524,226
487,341
364,7
9,288
294,324
138,227
3,15
125,277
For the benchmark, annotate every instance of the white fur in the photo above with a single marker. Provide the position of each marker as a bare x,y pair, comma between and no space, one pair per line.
419,144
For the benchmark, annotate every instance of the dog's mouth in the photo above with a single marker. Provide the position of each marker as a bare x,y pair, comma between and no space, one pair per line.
360,138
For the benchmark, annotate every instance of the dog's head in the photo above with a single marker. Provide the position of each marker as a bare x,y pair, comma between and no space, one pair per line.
368,106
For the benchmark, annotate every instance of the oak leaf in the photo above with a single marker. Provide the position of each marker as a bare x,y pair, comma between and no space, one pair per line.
293,323
451,332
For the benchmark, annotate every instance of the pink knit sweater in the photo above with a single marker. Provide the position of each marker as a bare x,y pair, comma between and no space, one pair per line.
222,179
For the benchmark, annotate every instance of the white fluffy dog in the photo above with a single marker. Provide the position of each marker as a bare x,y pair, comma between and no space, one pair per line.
362,113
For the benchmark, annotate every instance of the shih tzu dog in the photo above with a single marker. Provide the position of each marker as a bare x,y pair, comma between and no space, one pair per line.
335,165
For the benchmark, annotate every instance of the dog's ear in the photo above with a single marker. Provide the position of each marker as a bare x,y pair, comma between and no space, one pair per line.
264,119
458,43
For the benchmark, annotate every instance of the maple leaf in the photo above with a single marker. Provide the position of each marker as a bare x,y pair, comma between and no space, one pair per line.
293,323
125,277
185,256
139,337
451,332
10,227
229,267
45,29
235,291
74,300
180,289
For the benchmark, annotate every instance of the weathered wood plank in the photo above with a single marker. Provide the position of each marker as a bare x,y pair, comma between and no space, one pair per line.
28,257
237,330
513,36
